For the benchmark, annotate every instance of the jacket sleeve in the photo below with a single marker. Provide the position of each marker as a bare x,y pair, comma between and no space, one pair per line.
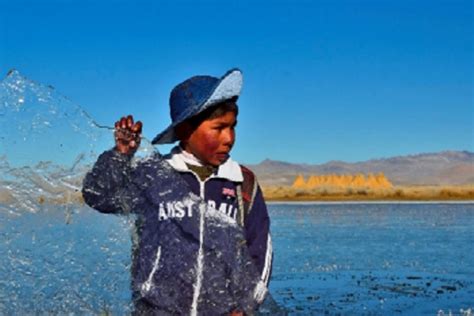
257,233
109,186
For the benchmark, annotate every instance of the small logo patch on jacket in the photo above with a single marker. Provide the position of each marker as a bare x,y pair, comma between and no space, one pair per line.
228,192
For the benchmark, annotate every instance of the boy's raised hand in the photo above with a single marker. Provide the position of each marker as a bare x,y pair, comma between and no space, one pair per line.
127,135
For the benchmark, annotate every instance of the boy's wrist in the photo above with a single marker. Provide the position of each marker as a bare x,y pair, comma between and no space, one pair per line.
123,152
117,155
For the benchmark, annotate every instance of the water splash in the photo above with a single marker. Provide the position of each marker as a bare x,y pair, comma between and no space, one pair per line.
47,144
40,124
49,239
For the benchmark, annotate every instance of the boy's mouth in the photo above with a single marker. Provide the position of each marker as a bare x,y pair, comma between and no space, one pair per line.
222,156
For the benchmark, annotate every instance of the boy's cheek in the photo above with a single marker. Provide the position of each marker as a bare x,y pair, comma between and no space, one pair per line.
211,143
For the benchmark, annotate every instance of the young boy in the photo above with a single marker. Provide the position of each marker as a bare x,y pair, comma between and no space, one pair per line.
203,243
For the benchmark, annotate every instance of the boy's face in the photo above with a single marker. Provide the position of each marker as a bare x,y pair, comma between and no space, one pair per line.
212,141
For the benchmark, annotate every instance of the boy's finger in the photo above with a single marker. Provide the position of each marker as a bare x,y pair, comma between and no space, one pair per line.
137,128
123,122
129,121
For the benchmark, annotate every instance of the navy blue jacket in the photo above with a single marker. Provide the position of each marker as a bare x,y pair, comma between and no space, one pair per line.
191,255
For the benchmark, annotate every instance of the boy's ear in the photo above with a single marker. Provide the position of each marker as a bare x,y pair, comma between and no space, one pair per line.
183,131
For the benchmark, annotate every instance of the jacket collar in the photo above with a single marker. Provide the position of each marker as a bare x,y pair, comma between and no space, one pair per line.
178,158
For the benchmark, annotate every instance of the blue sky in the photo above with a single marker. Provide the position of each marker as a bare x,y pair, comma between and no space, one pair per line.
323,80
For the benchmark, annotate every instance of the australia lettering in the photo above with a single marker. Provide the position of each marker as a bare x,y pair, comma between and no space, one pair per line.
180,209
227,209
175,209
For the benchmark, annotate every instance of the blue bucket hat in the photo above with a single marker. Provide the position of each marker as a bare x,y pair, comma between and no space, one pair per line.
197,94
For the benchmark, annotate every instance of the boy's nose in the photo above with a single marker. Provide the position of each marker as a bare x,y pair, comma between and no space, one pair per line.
228,138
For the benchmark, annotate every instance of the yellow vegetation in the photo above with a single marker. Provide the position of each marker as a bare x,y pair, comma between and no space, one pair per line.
299,182
350,193
358,181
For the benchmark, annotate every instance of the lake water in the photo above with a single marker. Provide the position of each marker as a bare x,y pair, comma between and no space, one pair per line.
374,258
369,259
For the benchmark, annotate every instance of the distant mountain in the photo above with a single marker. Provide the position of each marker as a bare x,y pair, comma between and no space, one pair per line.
443,168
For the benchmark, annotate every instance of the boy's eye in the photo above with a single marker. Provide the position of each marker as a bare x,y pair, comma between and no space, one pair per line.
221,127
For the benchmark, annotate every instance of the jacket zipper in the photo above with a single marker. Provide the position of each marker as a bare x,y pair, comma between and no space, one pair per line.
200,256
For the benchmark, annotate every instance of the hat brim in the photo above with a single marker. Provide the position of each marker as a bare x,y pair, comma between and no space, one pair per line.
228,87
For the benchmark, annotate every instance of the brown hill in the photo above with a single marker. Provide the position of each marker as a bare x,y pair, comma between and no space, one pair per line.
443,168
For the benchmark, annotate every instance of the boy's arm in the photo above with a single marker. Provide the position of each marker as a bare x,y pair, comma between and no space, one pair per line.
109,187
257,232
